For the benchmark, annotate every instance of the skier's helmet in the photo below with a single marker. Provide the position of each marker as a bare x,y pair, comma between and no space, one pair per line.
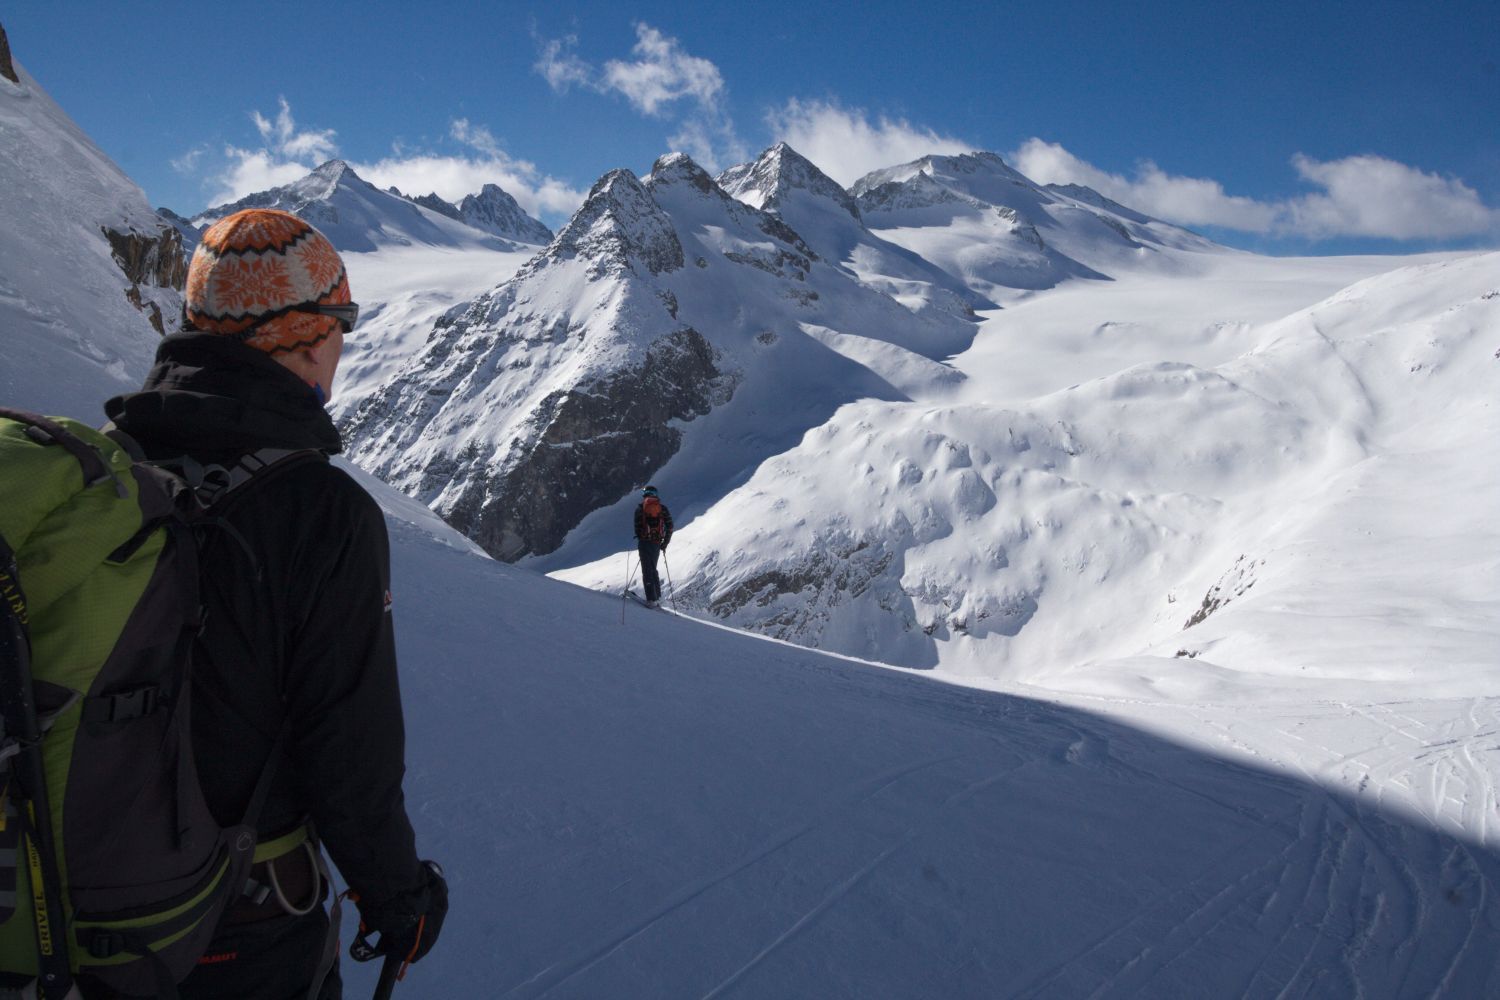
649,491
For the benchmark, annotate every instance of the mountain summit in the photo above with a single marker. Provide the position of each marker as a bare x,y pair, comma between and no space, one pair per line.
976,216
496,212
769,180
787,184
492,210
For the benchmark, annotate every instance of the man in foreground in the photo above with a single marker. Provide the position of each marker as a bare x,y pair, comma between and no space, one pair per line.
295,669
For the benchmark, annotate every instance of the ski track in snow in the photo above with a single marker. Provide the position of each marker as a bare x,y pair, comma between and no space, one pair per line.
551,978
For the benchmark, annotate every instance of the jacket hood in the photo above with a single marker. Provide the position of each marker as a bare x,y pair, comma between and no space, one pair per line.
209,394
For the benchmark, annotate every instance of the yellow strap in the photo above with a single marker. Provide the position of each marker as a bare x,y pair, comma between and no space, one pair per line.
270,850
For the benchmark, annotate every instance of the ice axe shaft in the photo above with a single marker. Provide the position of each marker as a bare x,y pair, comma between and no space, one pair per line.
390,971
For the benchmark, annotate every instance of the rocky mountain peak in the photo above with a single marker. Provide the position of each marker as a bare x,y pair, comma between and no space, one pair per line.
495,211
327,178
766,182
680,168
620,224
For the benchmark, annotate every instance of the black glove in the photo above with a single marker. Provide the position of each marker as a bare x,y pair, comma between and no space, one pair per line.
408,924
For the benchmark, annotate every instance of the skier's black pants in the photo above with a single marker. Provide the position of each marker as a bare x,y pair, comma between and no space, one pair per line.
273,959
270,958
649,551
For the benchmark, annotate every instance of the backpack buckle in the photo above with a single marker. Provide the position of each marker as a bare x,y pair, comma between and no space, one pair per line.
104,944
123,705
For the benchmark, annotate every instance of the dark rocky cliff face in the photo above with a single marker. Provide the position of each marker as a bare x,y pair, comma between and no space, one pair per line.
154,260
7,68
432,201
596,442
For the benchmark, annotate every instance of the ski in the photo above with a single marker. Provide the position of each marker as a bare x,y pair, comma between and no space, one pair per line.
638,599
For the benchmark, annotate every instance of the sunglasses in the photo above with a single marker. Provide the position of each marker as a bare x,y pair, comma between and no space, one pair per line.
346,313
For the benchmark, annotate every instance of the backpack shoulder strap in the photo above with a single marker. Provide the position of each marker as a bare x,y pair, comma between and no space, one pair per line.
212,484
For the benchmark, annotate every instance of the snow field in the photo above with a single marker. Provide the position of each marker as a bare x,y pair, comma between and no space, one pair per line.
664,808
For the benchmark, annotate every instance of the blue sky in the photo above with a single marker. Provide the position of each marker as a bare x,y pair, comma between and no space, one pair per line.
1281,127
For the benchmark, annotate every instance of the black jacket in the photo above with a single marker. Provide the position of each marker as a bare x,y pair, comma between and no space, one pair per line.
298,623
640,524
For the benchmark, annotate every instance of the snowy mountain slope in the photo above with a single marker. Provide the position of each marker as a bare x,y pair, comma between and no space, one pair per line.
667,321
403,292
357,216
1024,541
85,264
782,181
1390,569
997,230
662,808
1204,315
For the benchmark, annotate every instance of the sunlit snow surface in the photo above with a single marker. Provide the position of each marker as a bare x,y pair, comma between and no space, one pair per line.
632,804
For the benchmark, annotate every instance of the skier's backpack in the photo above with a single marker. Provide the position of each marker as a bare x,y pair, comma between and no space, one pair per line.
655,526
110,860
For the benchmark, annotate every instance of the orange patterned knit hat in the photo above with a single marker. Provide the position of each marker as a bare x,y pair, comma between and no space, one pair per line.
254,274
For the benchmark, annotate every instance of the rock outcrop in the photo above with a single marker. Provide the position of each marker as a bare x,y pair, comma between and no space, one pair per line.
153,260
7,68
591,443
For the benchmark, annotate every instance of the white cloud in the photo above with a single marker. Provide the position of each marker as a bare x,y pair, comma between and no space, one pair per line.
661,80
1373,196
846,144
661,74
187,163
1362,196
290,153
453,177
287,154
711,141
249,171
283,137
560,67
1188,201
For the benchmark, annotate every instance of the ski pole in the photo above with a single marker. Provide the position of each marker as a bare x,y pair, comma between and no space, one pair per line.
671,587
390,971
629,578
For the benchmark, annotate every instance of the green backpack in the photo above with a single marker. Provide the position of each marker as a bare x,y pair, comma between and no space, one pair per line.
110,861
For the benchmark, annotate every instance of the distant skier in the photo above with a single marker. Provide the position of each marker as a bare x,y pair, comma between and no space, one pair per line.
653,530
